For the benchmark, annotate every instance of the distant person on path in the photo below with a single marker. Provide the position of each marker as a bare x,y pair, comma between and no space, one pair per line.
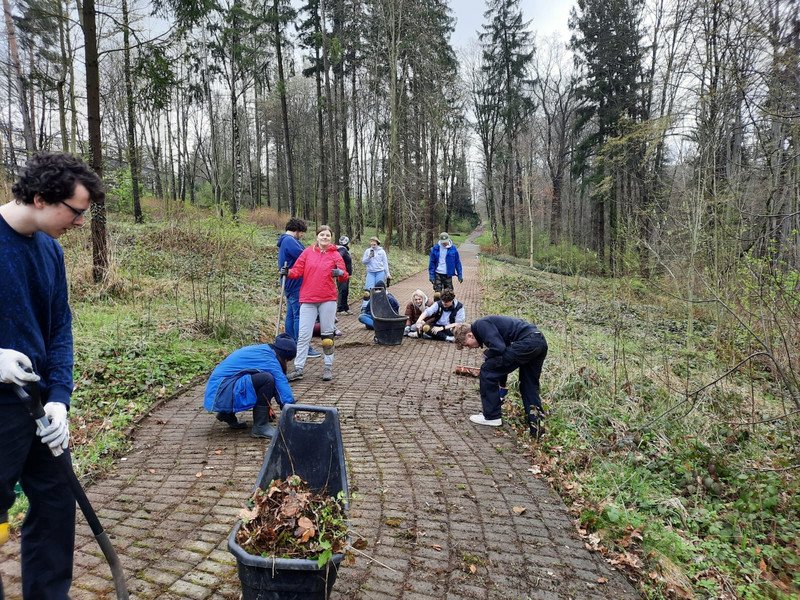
289,249
366,314
321,267
510,344
444,263
419,302
53,195
343,306
377,264
441,316
249,378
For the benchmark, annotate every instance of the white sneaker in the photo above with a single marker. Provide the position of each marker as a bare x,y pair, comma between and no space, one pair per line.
450,338
480,420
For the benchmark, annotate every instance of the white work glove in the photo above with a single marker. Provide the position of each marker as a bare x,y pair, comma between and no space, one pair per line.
12,368
55,435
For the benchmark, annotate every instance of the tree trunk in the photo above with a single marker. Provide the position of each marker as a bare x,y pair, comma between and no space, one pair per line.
21,81
133,158
284,109
99,239
323,160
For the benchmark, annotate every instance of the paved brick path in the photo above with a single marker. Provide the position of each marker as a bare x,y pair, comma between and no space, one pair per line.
436,493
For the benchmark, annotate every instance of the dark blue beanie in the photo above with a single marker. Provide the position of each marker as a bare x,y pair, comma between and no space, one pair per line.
284,346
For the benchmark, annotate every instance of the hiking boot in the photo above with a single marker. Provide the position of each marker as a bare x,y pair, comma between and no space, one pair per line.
231,420
312,353
295,375
327,373
481,420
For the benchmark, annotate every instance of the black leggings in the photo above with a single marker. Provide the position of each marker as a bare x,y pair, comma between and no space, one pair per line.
264,384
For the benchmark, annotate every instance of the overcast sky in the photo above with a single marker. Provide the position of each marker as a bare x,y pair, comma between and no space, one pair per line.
547,17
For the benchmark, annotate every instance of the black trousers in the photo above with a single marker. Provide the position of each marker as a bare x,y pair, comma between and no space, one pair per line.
526,354
48,532
344,291
442,282
264,384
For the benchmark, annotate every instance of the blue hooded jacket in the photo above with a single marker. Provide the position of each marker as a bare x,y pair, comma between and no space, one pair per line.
452,261
289,249
228,390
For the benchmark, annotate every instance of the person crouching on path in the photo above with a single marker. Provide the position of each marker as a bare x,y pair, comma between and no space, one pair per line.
366,313
441,317
419,302
510,344
321,266
377,264
249,378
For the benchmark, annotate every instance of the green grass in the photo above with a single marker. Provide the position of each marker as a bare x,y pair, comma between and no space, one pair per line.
705,501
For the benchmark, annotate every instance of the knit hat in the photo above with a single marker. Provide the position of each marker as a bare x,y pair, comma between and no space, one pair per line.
444,237
284,346
377,241
344,240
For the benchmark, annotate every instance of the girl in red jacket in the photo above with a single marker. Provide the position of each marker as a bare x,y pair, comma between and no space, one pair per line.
321,266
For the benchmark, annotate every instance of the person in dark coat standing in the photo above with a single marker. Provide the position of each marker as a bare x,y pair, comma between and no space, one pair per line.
343,306
510,344
53,195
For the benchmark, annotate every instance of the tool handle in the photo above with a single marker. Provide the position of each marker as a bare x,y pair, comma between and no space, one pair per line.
36,410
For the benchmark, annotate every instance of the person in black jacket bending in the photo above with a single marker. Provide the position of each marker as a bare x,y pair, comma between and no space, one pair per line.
510,344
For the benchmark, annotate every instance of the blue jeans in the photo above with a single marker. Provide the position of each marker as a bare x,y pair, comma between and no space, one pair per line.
48,532
373,278
293,315
366,320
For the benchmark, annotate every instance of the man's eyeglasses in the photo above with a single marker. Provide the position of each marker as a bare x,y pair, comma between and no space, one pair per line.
78,213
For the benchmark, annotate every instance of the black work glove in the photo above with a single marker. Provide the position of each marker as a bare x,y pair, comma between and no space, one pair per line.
283,271
337,272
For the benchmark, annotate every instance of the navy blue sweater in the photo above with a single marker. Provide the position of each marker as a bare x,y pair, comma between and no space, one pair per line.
496,333
34,312
289,250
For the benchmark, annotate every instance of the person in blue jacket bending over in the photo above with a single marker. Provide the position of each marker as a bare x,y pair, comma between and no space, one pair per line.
249,378
444,263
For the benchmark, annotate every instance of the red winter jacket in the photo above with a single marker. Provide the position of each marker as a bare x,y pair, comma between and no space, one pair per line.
315,267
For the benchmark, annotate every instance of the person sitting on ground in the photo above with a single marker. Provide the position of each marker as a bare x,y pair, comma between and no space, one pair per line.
419,302
343,306
443,263
249,378
440,317
366,314
510,344
377,264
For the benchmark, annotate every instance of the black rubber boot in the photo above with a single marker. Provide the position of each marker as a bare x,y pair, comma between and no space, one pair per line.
261,426
231,420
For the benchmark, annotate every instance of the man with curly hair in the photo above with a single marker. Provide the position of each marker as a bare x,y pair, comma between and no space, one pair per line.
53,195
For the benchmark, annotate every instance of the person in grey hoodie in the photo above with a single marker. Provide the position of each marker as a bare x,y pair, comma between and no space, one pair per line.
377,264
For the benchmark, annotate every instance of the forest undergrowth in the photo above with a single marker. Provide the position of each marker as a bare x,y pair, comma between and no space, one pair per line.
672,434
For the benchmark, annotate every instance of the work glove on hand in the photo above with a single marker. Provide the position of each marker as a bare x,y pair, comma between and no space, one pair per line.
16,368
388,281
56,434
283,271
337,272
432,280
460,280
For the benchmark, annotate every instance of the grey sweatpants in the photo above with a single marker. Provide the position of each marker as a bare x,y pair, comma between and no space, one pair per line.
327,326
